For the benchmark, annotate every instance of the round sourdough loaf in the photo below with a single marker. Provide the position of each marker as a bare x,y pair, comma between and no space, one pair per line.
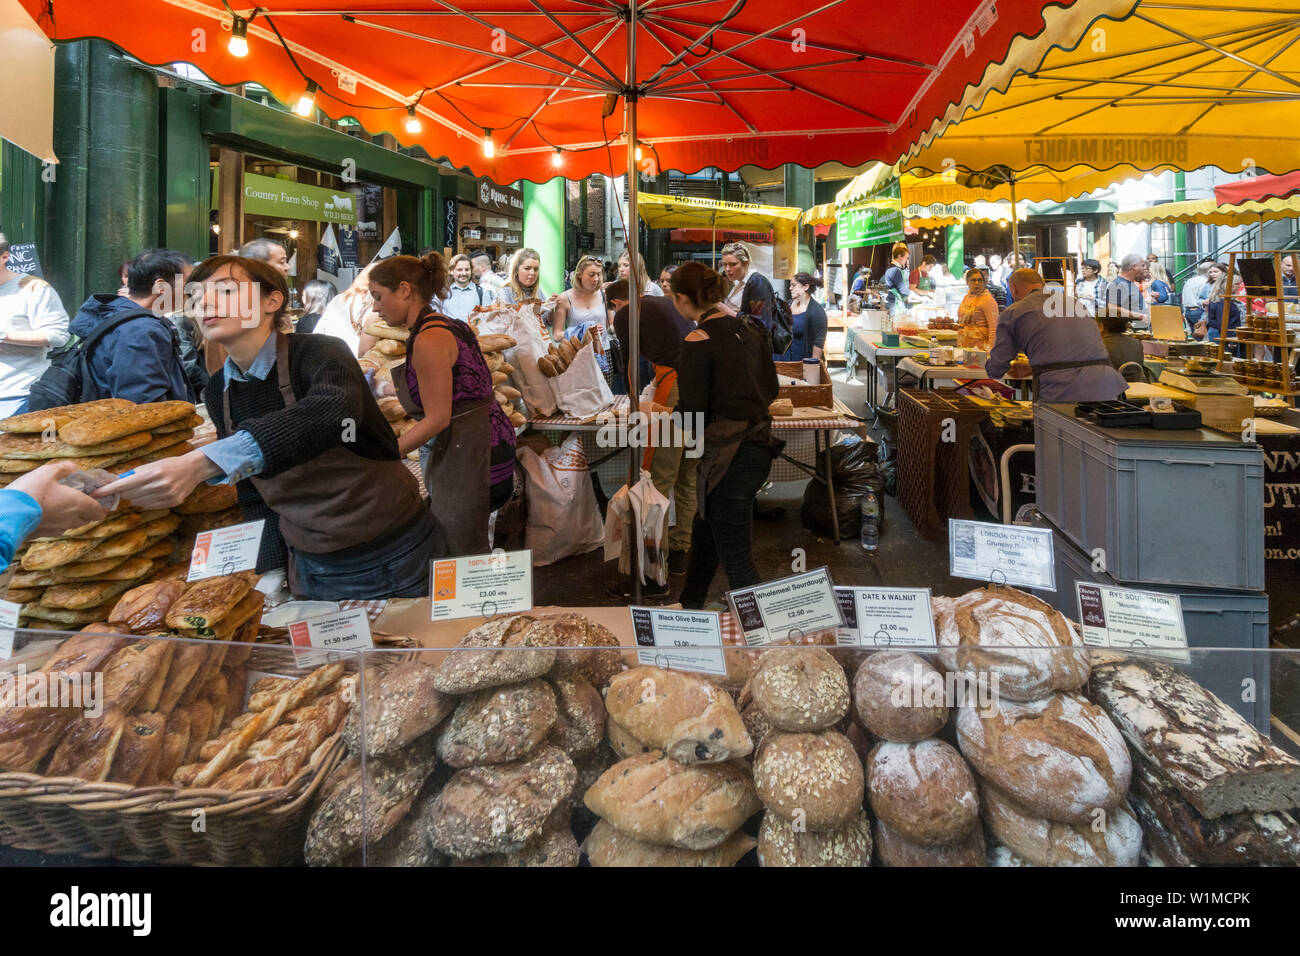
1112,838
924,791
1020,646
1060,757
900,696
894,849
814,779
497,725
780,844
800,688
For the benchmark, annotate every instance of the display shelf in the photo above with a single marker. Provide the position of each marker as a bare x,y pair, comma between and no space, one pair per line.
1283,349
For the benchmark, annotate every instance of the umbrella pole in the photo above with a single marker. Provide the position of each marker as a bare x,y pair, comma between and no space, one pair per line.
713,245
1015,227
634,294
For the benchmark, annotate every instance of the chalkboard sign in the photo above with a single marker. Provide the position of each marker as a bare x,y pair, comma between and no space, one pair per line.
23,259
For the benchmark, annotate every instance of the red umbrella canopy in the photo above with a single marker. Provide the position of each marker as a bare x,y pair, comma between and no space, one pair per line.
1258,189
718,82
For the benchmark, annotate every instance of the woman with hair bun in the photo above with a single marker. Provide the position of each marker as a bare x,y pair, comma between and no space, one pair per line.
466,443
726,381
809,320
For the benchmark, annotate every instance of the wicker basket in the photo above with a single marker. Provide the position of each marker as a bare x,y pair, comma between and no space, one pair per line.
806,396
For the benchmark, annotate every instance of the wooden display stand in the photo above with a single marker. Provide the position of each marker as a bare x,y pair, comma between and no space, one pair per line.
1280,379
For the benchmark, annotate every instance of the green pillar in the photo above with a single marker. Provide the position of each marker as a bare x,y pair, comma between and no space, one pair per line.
544,230
1181,260
186,177
22,201
956,250
103,207
799,192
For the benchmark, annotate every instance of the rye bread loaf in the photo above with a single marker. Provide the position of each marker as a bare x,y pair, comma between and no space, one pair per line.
498,809
1235,838
497,725
800,689
780,844
924,791
1204,748
553,846
691,719
900,696
504,650
814,779
1060,757
894,849
1112,838
606,845
658,800
579,716
401,705
571,633
407,844
1006,636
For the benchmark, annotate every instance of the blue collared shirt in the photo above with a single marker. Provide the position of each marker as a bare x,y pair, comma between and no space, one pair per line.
238,455
461,300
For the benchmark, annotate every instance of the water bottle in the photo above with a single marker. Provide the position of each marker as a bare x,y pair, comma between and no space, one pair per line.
870,521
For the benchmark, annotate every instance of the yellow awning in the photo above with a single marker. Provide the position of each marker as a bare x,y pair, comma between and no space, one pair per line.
822,215
1197,83
951,214
686,212
1209,212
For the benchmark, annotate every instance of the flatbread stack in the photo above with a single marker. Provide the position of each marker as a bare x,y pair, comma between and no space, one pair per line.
389,351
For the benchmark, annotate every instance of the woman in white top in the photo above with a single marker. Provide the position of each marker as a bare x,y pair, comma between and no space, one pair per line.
347,314
625,266
585,301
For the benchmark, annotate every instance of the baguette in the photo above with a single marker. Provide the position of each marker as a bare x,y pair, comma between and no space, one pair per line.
382,330
391,347
496,342
547,367
37,422
499,378
107,424
565,348
493,360
506,368
509,392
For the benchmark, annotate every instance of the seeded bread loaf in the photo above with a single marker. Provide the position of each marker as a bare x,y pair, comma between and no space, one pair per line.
800,688
691,719
402,704
572,632
579,718
814,779
553,846
924,791
900,696
504,650
780,844
497,725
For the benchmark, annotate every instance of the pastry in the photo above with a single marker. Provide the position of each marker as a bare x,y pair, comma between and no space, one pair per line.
145,608
139,752
87,748
206,602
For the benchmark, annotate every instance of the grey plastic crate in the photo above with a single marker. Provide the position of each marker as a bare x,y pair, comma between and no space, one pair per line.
1228,619
1176,508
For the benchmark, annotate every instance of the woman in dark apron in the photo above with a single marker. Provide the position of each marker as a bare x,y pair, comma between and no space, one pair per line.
302,436
466,443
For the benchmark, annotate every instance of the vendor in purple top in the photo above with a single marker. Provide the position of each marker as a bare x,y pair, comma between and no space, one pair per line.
466,443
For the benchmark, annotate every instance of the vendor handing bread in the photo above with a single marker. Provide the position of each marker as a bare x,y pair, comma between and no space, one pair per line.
306,443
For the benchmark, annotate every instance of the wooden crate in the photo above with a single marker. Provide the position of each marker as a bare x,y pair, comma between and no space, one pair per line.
806,396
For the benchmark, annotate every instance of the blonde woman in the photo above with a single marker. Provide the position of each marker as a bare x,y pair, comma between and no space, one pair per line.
750,292
585,301
625,267
525,279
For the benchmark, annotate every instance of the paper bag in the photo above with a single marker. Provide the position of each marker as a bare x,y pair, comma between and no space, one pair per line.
581,390
530,344
563,516
649,509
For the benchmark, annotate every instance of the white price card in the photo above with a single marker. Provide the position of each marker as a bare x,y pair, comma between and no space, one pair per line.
679,640
8,624
790,607
886,617
226,550
342,631
1149,621
1002,554
481,585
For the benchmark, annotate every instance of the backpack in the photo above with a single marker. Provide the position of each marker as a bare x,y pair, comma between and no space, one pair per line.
64,381
780,324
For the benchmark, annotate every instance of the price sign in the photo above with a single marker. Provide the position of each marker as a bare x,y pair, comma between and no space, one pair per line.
887,617
226,550
797,605
1002,554
8,624
341,631
679,640
1149,621
482,585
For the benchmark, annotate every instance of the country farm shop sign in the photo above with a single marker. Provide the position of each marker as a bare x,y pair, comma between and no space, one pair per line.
285,199
878,218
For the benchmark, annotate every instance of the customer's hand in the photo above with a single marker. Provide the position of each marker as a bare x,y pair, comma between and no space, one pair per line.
165,483
62,507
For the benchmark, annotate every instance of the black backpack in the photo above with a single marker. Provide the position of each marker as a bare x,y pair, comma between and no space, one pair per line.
780,324
64,381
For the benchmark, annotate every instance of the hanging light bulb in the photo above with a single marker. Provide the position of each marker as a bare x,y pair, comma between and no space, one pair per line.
557,159
413,125
489,147
238,45
638,152
293,233
307,102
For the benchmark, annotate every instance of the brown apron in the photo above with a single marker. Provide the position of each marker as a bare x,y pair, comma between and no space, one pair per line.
1060,367
338,499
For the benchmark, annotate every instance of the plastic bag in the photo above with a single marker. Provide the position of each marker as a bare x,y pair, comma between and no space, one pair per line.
92,479
650,510
854,471
563,516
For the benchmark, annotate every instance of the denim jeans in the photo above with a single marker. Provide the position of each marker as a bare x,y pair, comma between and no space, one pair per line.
727,533
397,566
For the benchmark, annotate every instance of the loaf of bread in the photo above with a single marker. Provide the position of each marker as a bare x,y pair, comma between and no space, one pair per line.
623,742
1022,647
511,651
894,849
497,725
402,704
900,696
692,720
924,791
571,632
553,846
499,809
106,424
780,844
382,330
800,689
1204,748
606,845
658,800
1060,757
1111,838
814,779
580,716
35,422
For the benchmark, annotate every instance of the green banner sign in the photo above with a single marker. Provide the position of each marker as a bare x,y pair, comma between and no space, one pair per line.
285,199
878,218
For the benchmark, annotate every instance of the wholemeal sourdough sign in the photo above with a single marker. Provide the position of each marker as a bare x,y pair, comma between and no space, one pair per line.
788,609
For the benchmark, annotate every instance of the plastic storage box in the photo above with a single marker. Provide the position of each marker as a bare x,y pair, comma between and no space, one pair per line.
1219,619
1178,508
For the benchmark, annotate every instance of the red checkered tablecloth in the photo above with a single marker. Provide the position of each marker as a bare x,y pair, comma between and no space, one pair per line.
373,608
618,410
